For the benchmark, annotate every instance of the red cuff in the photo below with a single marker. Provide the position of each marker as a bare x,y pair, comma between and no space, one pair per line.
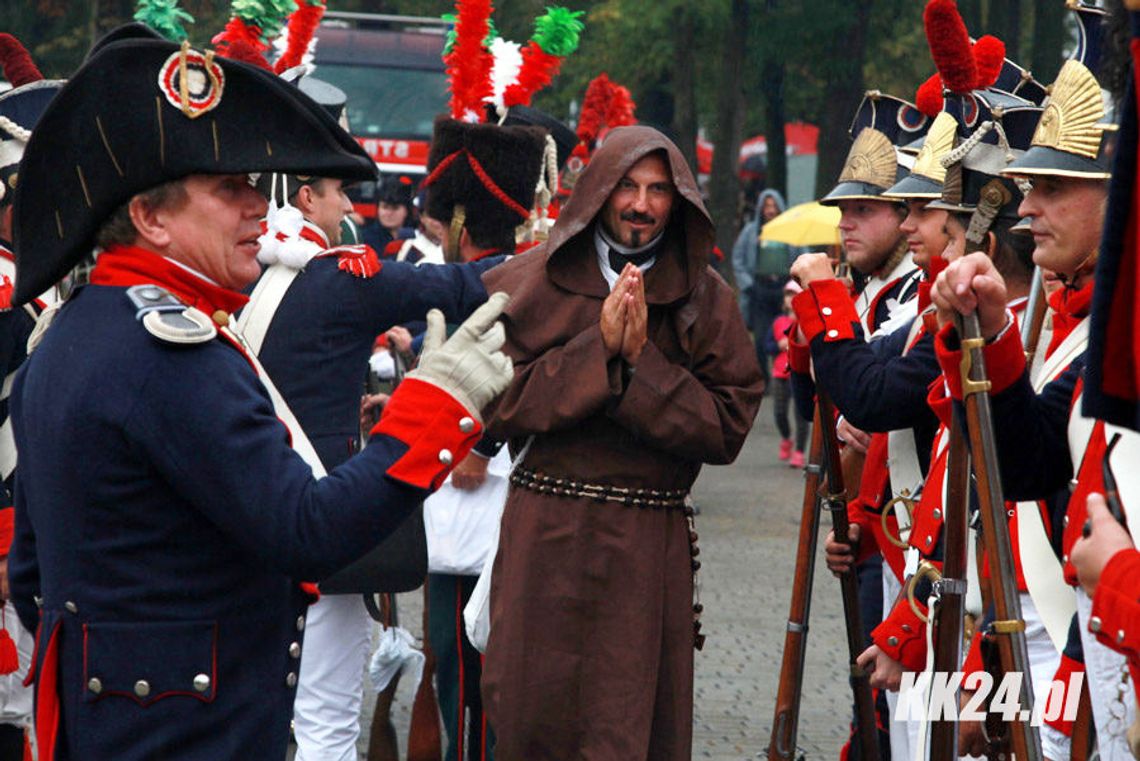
1066,674
973,662
1115,615
1005,359
799,355
902,636
826,307
7,528
438,430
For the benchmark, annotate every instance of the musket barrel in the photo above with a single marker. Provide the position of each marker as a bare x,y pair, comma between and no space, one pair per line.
1010,626
835,501
785,725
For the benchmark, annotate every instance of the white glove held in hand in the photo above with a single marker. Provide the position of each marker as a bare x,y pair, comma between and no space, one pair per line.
469,365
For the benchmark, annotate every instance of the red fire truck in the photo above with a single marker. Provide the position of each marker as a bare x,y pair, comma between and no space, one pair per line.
391,68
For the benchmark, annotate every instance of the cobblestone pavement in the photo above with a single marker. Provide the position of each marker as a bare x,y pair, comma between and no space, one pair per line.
748,525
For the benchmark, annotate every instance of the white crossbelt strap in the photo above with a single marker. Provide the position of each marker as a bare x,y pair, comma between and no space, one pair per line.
1044,574
257,316
253,324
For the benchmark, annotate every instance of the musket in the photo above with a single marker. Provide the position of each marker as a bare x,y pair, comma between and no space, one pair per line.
835,500
782,746
1035,310
1008,626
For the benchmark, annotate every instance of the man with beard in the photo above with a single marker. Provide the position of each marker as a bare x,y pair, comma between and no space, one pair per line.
633,369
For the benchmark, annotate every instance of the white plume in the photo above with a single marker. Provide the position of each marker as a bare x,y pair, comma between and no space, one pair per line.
505,72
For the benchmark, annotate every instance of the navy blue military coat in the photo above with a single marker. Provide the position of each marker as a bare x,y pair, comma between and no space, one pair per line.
162,523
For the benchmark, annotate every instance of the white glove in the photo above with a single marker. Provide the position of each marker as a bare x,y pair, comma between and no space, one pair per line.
469,365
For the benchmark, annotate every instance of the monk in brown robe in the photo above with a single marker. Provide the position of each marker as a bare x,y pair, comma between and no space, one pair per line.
633,367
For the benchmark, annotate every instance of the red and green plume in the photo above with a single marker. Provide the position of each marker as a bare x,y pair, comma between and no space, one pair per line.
302,26
164,17
556,35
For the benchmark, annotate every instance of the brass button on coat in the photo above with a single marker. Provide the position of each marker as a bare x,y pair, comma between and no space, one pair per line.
295,650
142,688
201,682
291,679
95,684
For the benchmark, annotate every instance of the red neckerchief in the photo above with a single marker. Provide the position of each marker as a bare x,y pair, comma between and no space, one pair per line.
313,234
937,264
130,265
1069,308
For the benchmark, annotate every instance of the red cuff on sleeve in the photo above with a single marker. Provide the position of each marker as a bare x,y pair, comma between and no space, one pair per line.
973,661
1116,603
7,528
799,355
1005,359
902,636
431,423
1066,674
826,307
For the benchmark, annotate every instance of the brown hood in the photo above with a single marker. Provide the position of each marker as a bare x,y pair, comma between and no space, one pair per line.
690,233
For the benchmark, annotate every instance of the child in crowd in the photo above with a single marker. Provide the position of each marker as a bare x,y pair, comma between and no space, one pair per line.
781,387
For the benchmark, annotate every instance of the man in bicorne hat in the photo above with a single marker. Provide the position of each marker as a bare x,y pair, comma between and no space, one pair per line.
162,518
634,368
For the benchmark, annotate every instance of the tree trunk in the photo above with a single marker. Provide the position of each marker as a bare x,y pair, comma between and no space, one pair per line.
724,184
777,167
685,83
971,11
842,95
1005,23
1048,39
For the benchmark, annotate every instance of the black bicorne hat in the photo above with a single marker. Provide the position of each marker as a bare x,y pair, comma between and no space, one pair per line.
564,138
490,171
141,112
396,189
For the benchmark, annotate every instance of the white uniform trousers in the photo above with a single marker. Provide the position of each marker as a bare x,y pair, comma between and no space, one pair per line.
1110,688
326,713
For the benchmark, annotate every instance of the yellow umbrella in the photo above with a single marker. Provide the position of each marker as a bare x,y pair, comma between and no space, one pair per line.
808,224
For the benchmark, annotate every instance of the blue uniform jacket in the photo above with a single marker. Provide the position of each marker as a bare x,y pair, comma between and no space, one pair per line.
160,497
317,347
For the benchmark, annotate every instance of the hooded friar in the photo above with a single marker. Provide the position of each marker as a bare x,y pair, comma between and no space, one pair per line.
592,616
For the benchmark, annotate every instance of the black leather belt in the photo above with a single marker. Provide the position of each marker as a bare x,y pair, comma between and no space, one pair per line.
568,487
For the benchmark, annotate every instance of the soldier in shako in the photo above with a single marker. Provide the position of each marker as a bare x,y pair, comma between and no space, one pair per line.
1044,442
163,520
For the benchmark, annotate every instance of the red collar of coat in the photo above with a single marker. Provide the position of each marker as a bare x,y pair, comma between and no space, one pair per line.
130,265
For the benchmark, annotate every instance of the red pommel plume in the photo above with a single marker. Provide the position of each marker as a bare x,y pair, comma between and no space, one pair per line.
989,56
19,69
242,50
302,26
950,46
928,97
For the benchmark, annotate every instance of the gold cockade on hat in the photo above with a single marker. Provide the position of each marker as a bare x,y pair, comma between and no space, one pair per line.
939,141
872,160
1070,122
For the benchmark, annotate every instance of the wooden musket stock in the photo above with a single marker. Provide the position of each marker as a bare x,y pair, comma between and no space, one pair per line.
946,619
1009,625
835,500
782,746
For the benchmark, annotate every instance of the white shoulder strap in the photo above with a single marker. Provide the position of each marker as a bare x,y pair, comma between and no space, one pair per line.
1063,356
301,443
253,324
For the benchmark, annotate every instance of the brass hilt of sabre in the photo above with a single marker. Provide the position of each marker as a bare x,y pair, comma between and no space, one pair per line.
907,503
925,569
966,366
